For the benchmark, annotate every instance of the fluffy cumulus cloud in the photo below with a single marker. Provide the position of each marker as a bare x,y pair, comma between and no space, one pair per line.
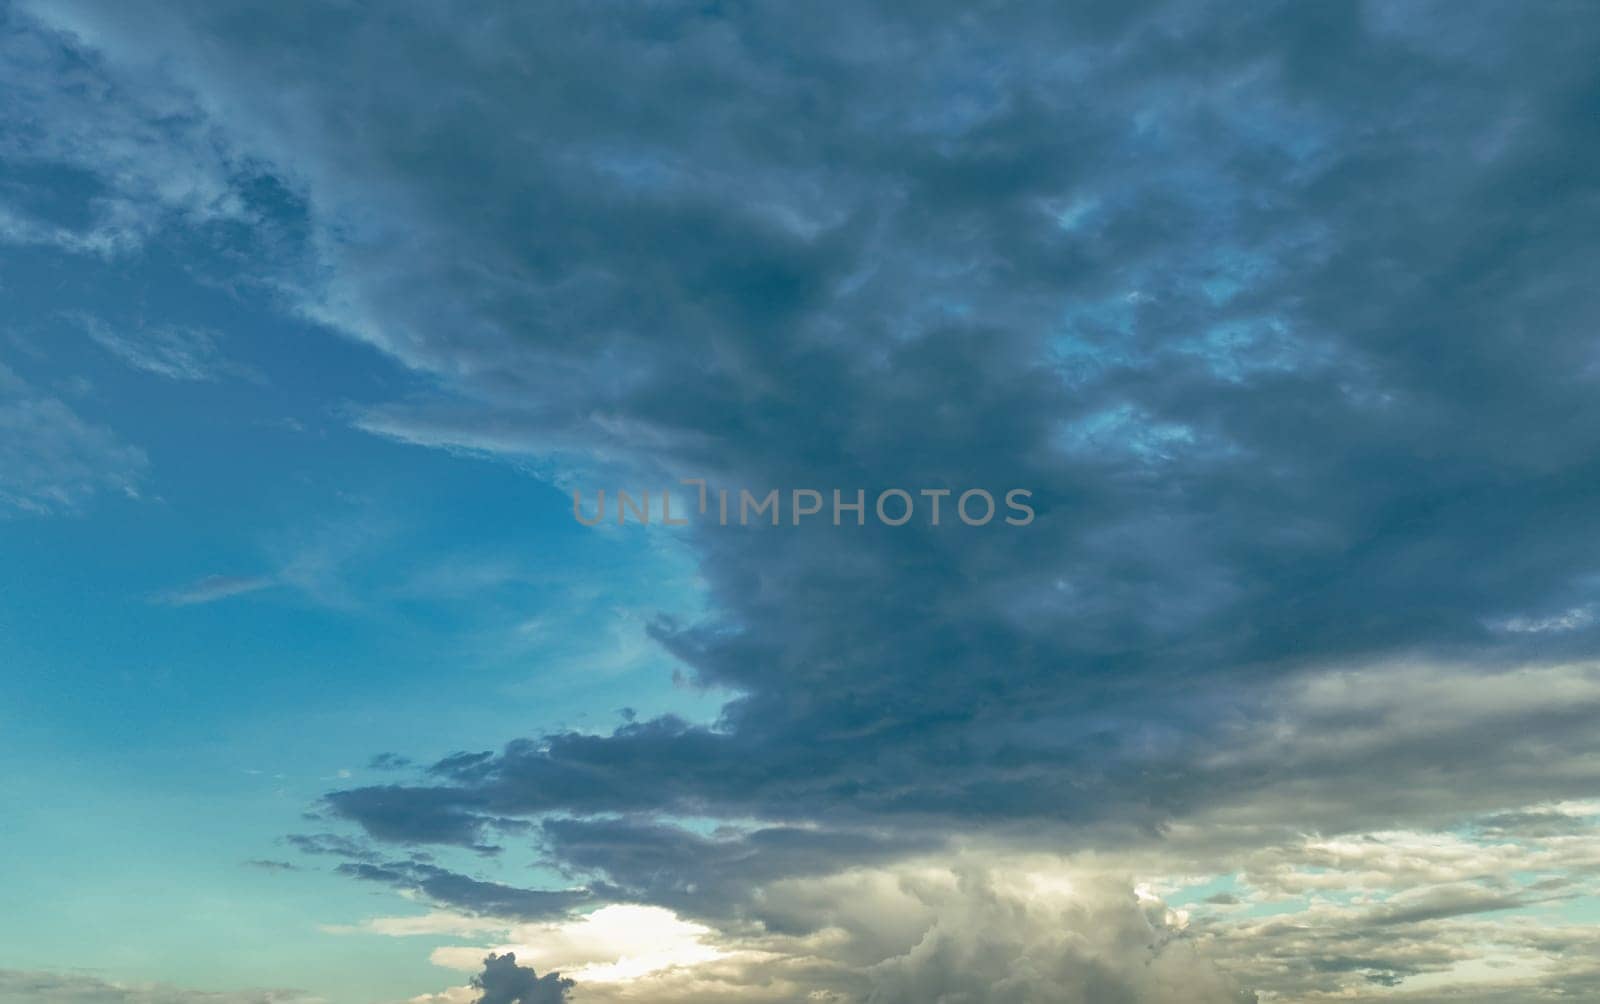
1282,313
1095,946
928,929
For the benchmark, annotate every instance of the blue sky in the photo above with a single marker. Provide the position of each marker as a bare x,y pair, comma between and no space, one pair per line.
313,690
270,600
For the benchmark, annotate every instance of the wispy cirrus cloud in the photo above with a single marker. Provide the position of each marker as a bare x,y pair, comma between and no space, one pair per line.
171,352
51,459
25,987
213,588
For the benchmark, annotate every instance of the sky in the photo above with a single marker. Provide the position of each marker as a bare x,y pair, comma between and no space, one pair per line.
317,317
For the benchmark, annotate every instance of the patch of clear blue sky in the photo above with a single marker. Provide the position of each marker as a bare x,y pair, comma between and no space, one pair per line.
406,600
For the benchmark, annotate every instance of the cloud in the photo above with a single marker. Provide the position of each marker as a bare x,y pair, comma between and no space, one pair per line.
617,944
185,354
75,988
54,461
131,152
974,930
711,875
504,982
1355,902
1311,918
462,892
317,561
216,587
1095,946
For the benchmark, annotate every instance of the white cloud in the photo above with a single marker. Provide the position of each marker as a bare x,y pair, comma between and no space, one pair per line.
1024,930
176,353
617,943
215,587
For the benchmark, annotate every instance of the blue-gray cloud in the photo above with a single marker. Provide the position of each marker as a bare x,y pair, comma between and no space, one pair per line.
465,893
504,982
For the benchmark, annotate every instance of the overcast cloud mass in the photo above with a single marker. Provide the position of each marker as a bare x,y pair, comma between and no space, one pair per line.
1284,313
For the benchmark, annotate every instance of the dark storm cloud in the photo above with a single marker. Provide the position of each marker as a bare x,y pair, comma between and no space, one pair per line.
331,844
421,815
1284,314
1280,314
698,874
461,766
418,873
504,982
467,894
1545,823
